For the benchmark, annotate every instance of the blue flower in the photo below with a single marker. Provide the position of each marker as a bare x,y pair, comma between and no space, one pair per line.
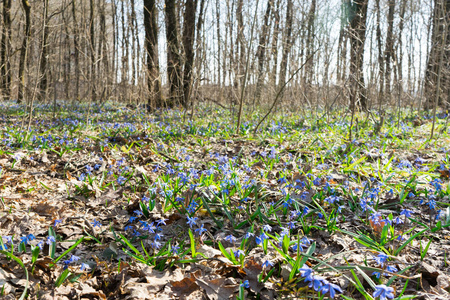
407,213
316,282
200,230
121,180
230,239
191,221
249,235
328,287
175,249
384,292
307,273
57,222
267,264
381,259
245,284
238,253
50,240
267,227
84,266
96,223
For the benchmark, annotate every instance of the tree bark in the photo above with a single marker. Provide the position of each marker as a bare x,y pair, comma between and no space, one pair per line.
151,46
441,19
43,85
287,43
261,52
5,64
389,47
357,31
188,44
23,50
173,53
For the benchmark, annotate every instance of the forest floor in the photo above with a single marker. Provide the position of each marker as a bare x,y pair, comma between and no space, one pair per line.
137,206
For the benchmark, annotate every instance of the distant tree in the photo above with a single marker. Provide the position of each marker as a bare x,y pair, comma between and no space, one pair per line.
287,43
261,51
173,52
438,70
357,31
5,51
188,45
44,53
151,46
23,50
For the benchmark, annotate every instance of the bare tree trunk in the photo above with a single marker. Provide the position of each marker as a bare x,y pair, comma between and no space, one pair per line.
92,50
23,50
389,46
5,64
219,41
133,43
173,53
309,70
188,44
380,57
261,52
240,43
43,85
357,30
441,19
287,43
151,46
124,71
76,51
274,46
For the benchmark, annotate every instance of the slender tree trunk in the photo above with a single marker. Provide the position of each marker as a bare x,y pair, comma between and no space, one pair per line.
92,49
309,67
274,46
261,51
188,44
357,31
124,44
5,64
76,51
287,43
173,52
219,47
380,57
43,85
151,47
133,43
388,52
240,43
23,50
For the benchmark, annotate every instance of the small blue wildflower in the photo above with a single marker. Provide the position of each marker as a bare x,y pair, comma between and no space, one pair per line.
175,249
407,213
238,253
328,287
121,180
316,282
245,284
230,238
381,258
57,222
191,221
383,292
96,223
267,227
307,273
50,240
200,230
85,266
267,264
